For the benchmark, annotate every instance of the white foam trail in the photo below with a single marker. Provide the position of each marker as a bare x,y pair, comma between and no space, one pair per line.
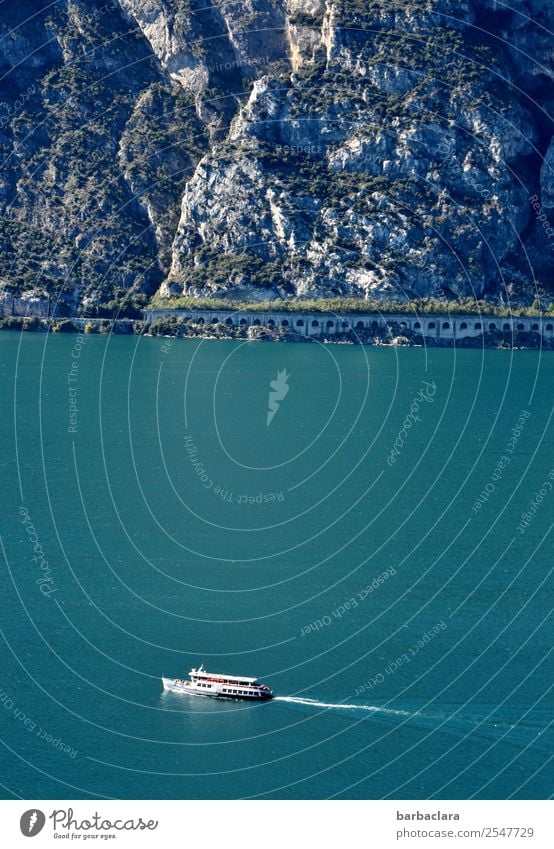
453,724
297,700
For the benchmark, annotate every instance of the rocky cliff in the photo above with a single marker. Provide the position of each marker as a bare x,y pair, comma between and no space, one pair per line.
275,148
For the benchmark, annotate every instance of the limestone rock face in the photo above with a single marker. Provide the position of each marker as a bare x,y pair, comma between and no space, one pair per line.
275,148
547,178
383,165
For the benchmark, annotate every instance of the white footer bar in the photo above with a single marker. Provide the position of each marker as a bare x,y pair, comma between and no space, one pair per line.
275,824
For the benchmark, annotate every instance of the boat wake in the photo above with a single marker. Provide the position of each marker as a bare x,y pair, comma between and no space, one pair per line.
511,727
297,700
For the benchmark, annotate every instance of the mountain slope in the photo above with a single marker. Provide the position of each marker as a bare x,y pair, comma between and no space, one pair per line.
261,149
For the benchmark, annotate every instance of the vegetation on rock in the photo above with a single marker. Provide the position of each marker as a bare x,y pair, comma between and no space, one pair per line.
354,154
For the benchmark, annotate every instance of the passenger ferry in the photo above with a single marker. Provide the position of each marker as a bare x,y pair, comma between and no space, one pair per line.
202,683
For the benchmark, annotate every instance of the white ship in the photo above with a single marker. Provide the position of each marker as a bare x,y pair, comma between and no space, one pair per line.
202,683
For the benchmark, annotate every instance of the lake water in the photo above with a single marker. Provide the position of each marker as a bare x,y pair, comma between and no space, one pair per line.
363,553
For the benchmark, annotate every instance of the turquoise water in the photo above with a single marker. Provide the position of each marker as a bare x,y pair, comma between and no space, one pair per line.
364,554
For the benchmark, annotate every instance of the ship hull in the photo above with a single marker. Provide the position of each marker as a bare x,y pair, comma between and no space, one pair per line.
189,689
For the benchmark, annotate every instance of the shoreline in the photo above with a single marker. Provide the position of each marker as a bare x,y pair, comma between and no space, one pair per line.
514,339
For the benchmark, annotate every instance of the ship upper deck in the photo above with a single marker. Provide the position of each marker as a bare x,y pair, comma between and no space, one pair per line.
221,678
